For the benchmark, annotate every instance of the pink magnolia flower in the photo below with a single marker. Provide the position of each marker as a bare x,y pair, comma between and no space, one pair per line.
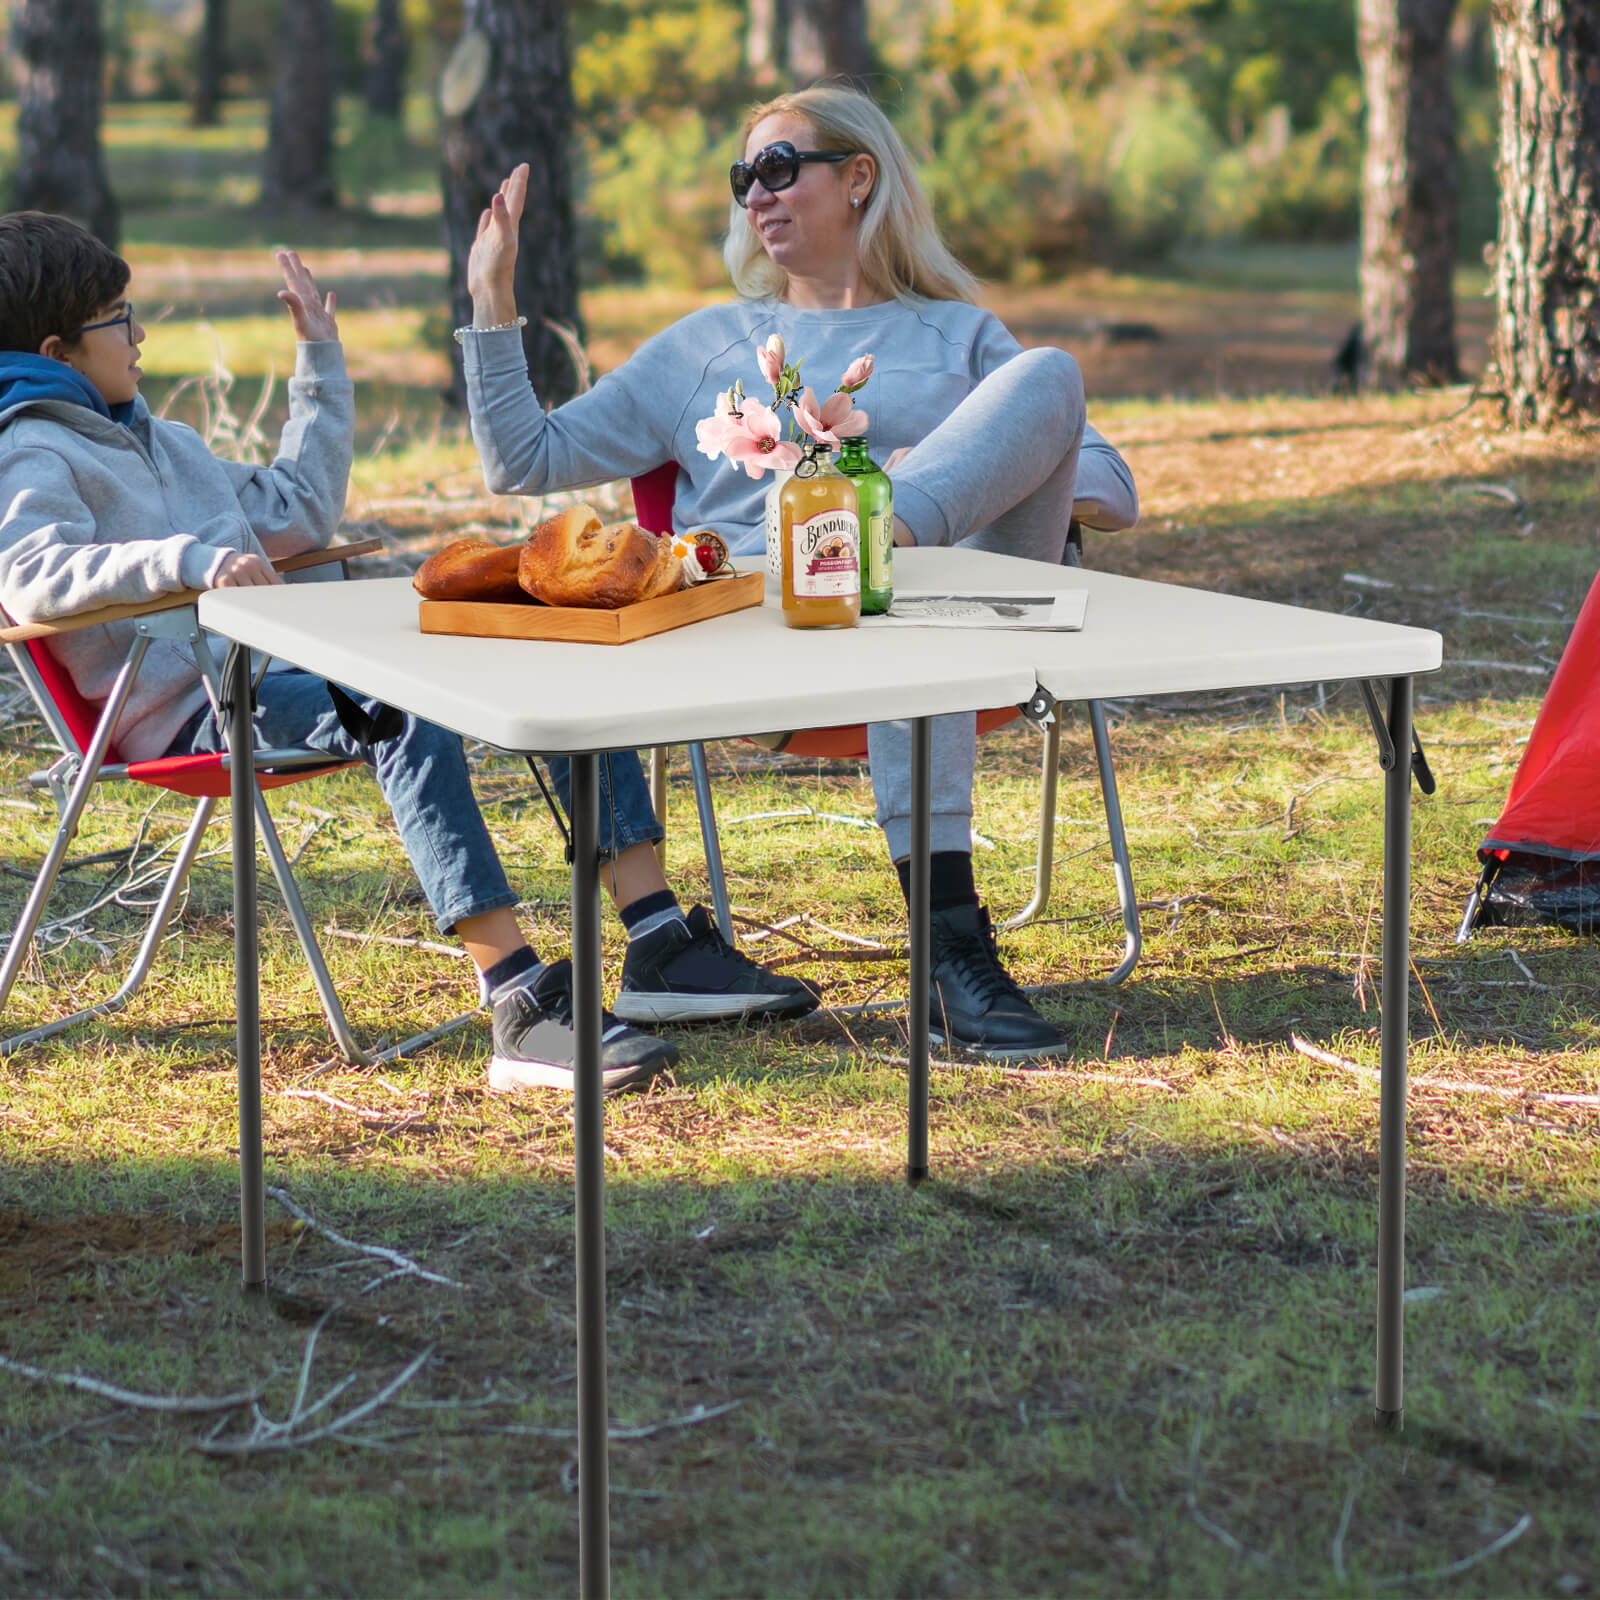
856,374
757,444
713,432
835,419
770,359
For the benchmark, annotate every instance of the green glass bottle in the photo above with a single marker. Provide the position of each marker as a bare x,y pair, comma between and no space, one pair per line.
875,506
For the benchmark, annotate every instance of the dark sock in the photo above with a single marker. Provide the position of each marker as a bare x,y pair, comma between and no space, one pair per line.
951,875
507,969
649,912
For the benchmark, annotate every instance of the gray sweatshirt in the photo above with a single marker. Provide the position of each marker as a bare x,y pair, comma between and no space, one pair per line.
929,355
94,513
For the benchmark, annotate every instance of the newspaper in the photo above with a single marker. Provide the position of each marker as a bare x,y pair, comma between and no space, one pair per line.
1060,609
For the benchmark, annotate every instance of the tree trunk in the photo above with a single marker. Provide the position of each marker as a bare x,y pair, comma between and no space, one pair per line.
211,64
1409,208
388,56
1547,259
828,39
298,170
766,41
59,55
518,108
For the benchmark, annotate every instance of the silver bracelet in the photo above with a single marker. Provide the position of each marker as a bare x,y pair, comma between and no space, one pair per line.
499,327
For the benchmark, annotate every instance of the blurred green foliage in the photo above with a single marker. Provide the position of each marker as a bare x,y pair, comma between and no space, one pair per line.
1050,133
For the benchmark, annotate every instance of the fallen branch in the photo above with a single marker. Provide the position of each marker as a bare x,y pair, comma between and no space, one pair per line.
1452,1085
1273,1134
281,1436
1561,1411
1500,491
851,954
366,1113
1502,616
1337,1548
805,919
799,814
1054,1074
404,1263
185,1404
644,1430
1215,1529
1497,666
1510,1536
334,931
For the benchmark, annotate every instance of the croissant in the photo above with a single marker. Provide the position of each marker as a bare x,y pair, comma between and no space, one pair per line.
576,560
471,569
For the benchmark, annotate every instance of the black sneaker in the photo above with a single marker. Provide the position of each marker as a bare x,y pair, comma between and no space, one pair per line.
973,1001
534,1042
690,973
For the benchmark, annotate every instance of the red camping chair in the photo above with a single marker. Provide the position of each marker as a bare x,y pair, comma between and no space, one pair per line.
88,757
653,496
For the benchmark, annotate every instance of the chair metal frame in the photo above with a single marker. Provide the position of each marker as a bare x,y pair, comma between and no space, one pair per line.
88,758
653,493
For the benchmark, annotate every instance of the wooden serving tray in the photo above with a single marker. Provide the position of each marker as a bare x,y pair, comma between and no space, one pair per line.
488,620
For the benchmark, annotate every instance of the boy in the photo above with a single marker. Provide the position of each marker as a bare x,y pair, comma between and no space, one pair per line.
103,503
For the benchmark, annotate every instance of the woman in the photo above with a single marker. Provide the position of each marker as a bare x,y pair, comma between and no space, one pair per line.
832,247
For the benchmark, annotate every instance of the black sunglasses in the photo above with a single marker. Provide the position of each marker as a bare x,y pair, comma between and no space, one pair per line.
777,166
123,318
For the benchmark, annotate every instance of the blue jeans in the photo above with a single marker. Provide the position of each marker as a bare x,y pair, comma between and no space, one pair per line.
424,778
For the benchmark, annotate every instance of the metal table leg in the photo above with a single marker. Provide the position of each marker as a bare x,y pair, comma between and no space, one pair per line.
594,1525
246,972
1395,1036
921,945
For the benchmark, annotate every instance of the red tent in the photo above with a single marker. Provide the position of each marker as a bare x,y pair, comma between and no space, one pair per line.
1541,861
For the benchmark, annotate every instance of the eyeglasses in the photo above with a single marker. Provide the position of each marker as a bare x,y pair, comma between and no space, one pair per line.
123,317
777,166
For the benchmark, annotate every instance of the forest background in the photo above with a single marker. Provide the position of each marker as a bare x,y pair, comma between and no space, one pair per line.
1050,135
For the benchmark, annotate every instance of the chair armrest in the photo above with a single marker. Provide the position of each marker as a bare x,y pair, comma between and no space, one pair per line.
24,631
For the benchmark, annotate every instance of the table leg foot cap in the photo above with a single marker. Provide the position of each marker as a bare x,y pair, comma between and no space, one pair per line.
1389,1421
915,1175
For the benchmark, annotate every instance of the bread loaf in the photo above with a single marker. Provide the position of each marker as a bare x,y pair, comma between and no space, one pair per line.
576,560
471,569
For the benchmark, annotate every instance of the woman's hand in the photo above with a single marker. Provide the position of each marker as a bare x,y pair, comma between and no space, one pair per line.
244,569
492,261
311,314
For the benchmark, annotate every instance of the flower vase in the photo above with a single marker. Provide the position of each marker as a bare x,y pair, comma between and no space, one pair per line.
780,476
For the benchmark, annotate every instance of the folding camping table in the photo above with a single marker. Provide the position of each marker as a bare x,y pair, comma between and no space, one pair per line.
747,673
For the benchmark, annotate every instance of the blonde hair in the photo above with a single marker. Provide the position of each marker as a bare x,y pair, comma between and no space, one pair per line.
898,241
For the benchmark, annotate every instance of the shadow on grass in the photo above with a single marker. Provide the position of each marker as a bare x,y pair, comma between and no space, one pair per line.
1142,1370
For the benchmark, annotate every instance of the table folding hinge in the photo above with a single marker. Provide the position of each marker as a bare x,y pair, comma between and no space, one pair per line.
230,663
1387,755
1039,708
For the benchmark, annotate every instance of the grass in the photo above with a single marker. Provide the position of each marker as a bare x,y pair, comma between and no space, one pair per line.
1120,1343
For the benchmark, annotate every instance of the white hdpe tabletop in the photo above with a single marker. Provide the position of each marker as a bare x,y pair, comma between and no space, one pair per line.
736,674
1142,638
748,673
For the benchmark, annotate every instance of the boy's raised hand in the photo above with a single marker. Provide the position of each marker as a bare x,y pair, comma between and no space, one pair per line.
492,261
311,313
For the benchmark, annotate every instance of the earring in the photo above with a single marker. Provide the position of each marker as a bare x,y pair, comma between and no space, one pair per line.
855,199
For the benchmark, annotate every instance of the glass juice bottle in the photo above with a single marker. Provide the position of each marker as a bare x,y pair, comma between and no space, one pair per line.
875,509
821,544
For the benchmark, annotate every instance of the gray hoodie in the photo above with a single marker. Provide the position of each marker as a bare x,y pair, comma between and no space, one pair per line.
97,513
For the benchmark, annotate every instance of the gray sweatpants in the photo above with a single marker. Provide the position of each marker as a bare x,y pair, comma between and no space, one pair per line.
999,473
